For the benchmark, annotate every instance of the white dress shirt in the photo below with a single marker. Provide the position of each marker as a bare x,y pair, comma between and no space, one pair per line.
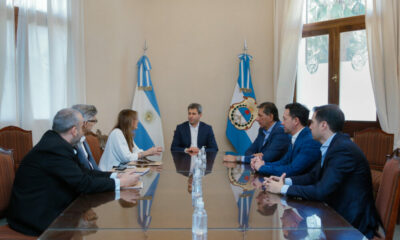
294,137
117,151
194,132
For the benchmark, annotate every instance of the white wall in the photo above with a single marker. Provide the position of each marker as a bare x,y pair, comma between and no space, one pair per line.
193,48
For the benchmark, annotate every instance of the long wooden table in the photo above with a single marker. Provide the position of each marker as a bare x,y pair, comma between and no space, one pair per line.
236,205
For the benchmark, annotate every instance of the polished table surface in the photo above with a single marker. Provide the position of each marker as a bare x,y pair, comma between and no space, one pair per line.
236,205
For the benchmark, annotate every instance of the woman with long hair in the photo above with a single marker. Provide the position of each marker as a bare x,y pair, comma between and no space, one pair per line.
120,148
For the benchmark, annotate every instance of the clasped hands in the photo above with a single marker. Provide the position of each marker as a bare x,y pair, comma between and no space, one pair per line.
192,150
256,162
274,184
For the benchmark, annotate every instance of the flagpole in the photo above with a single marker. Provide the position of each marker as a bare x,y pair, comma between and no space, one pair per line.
245,48
145,47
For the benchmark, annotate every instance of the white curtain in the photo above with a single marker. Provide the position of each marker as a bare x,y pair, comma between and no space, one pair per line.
8,113
288,28
49,62
383,29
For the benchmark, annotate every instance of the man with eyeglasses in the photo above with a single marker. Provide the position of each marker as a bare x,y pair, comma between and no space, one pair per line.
84,154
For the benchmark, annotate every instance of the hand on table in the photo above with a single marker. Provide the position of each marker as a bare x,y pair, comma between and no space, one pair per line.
128,179
256,163
274,184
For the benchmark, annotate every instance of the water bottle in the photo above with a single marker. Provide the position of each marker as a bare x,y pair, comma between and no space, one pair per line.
203,160
199,164
203,150
197,191
199,221
197,169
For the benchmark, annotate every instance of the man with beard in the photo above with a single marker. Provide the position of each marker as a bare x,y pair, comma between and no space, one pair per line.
50,177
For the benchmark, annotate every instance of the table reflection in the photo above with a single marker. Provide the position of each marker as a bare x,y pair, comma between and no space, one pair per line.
298,219
295,216
147,193
184,162
236,204
241,178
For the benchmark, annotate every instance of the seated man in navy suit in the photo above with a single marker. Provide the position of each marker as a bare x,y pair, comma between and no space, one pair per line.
342,177
193,134
85,156
303,151
271,142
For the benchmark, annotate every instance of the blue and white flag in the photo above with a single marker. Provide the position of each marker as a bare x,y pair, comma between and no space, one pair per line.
149,132
242,129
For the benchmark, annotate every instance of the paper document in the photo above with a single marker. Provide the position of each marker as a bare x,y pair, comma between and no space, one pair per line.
138,185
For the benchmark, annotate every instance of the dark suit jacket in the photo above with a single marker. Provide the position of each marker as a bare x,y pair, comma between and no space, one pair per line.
274,148
344,183
83,160
47,181
205,137
299,158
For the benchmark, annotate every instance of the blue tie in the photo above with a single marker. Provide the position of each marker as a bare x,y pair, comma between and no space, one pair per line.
266,137
88,157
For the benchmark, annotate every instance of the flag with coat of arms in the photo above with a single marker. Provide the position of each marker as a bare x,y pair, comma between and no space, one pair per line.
149,131
242,129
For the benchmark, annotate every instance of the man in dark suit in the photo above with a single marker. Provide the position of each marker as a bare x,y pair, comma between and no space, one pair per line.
342,177
85,155
271,142
193,134
303,152
50,177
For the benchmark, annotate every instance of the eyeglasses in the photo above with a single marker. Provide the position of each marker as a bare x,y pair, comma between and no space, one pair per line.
92,121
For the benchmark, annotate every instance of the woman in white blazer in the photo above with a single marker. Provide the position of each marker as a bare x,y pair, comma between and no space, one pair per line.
120,148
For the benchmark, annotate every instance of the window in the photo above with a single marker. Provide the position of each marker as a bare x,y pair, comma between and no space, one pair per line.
333,61
45,52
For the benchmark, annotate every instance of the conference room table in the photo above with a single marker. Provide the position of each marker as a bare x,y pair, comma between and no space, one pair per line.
236,205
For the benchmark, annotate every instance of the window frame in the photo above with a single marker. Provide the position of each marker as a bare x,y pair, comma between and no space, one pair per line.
16,11
333,28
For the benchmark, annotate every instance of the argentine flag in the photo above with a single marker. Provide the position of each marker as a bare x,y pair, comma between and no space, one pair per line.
149,132
241,113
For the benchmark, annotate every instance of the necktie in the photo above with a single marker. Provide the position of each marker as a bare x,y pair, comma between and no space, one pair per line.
87,158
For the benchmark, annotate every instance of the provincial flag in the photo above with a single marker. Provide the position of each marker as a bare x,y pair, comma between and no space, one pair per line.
242,129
